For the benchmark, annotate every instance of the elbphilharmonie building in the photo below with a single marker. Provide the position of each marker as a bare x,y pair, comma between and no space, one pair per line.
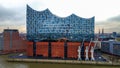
43,25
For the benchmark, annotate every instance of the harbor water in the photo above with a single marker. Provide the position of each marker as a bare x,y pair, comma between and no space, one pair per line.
5,64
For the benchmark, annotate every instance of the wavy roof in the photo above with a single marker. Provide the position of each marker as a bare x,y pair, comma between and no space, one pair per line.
47,10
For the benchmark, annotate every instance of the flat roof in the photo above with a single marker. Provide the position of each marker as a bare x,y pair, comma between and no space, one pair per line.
10,30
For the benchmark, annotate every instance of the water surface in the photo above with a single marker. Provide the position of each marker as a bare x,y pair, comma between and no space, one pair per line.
5,64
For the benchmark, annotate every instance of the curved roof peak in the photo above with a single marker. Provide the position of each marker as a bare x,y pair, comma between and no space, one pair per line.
47,10
74,15
36,10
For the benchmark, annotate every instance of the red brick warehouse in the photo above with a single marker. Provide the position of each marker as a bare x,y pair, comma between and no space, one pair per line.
12,42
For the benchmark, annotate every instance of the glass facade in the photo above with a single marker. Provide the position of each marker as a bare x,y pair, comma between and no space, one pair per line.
42,25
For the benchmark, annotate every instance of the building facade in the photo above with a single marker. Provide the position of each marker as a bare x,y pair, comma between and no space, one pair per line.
43,25
111,47
1,42
12,42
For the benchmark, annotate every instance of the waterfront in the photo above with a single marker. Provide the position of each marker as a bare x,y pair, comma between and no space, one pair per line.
5,64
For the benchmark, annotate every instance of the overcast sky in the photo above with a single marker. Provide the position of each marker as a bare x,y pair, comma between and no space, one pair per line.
106,12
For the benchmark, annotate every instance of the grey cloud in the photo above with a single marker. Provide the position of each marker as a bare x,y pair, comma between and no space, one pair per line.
11,16
113,29
110,25
116,18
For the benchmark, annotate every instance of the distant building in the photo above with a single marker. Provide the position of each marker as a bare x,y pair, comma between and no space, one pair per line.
102,36
114,34
12,42
43,25
1,42
111,47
